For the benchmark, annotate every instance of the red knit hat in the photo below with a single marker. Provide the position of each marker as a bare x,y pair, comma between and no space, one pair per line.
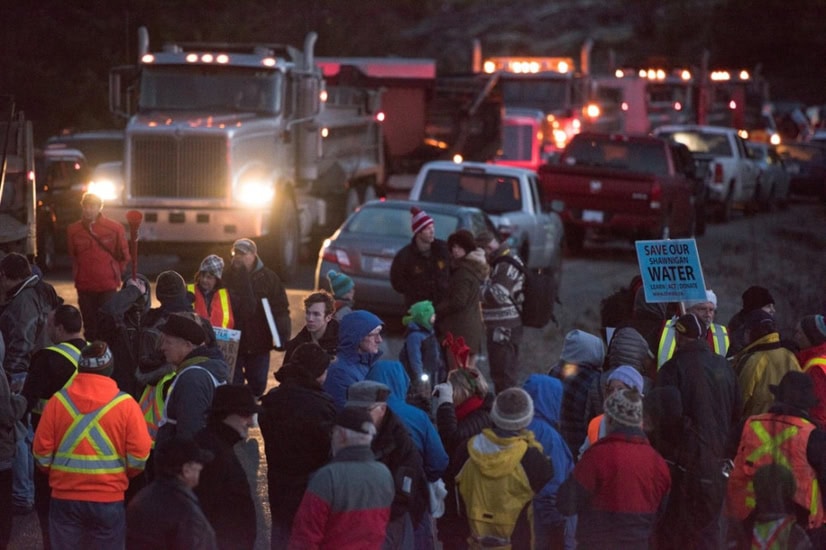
420,219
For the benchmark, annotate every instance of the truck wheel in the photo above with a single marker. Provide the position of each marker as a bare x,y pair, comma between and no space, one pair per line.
284,242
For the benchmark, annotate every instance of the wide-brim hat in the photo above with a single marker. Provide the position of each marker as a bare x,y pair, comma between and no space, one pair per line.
795,389
234,399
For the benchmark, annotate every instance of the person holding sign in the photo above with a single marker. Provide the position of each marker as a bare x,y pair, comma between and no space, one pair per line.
258,296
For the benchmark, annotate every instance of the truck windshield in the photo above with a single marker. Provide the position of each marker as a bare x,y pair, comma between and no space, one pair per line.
545,94
648,158
518,141
229,89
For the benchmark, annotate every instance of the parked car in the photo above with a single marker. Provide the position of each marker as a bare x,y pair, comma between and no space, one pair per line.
733,173
806,164
366,243
773,179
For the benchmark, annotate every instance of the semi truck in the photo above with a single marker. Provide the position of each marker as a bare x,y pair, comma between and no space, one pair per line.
241,140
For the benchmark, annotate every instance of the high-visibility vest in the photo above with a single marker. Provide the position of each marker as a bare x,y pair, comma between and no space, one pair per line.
775,439
772,535
219,316
72,354
86,427
152,404
165,412
819,362
717,334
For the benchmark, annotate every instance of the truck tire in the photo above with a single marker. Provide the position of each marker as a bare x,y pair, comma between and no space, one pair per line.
284,242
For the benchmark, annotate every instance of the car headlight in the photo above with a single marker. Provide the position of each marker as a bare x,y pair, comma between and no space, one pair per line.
256,193
106,189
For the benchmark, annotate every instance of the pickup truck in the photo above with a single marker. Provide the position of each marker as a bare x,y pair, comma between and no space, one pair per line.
510,196
620,186
734,173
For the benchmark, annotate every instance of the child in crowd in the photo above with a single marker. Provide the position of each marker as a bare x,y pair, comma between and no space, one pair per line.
344,291
421,354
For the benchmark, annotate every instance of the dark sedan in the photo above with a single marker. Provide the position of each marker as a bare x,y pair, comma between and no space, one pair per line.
366,243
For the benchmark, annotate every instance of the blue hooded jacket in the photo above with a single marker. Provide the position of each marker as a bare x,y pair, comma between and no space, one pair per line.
418,424
351,364
546,393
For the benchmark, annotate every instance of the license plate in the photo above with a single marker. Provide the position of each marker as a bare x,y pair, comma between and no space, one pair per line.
380,266
592,216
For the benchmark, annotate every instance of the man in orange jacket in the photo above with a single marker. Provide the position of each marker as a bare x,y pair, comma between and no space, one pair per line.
90,440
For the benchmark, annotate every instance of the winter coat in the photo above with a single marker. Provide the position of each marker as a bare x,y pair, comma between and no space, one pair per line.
421,353
190,395
12,408
759,365
48,373
223,489
813,362
328,340
419,276
351,364
296,425
347,504
247,290
460,312
23,324
618,505
395,449
98,263
503,291
418,424
166,514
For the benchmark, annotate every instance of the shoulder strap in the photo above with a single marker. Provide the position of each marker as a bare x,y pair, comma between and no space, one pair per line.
511,260
100,243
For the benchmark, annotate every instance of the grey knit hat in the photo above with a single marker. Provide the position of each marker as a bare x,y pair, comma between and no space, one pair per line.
512,409
212,264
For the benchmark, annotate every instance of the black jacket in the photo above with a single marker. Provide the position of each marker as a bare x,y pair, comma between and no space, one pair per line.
247,290
296,424
166,515
48,373
224,491
328,340
421,277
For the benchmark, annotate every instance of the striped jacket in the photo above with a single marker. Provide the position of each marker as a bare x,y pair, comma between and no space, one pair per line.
90,440
347,504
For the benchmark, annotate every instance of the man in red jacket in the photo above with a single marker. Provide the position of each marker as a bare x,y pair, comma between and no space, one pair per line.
100,251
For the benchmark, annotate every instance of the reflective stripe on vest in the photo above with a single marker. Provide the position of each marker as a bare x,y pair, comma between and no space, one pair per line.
72,355
86,427
815,362
668,341
165,416
772,535
200,307
152,403
719,339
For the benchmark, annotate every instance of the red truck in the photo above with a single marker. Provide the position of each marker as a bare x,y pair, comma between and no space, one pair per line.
620,186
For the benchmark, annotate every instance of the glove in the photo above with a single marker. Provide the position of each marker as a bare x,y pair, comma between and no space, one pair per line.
443,393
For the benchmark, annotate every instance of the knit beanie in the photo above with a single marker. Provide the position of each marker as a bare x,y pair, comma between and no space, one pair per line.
512,410
689,326
340,283
420,313
463,239
710,297
625,407
629,376
814,327
756,297
212,264
96,358
245,246
170,285
420,219
311,358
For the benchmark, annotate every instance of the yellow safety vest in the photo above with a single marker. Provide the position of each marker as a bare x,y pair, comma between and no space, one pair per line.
72,354
86,427
152,403
668,341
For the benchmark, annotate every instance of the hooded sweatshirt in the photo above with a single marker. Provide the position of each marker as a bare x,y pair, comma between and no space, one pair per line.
351,364
418,424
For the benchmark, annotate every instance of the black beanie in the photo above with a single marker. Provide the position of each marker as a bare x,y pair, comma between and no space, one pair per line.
170,285
464,239
756,297
309,360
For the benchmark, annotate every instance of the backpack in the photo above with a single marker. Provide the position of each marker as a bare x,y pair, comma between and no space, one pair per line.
538,294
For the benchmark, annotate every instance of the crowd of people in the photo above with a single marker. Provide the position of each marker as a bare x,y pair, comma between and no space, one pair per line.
121,423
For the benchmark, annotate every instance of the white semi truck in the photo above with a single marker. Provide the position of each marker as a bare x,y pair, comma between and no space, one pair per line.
241,140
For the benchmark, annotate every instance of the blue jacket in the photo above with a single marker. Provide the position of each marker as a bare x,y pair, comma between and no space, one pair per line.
546,393
351,364
418,424
421,352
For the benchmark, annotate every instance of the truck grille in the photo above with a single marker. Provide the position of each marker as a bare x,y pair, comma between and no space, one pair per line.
189,167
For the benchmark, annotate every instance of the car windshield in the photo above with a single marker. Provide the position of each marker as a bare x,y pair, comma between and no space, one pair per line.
194,88
494,194
702,142
395,222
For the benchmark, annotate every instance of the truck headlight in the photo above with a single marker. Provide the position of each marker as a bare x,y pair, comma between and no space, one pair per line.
256,193
106,189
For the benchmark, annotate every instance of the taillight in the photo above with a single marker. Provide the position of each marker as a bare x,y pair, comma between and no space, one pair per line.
656,196
718,173
335,255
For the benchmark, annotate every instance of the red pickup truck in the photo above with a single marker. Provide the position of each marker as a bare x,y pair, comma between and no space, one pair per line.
620,186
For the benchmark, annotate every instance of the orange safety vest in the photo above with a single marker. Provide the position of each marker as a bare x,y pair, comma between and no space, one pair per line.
775,439
593,428
152,402
72,354
219,316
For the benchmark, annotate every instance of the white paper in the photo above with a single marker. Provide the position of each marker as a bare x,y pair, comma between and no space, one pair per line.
276,338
